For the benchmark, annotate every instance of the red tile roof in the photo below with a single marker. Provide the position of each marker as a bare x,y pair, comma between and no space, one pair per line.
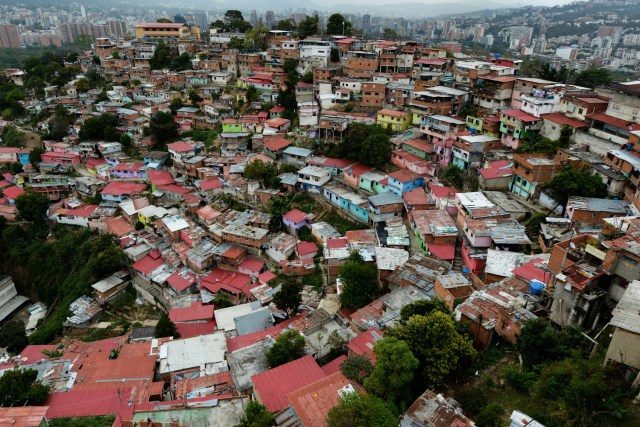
306,248
338,242
404,175
266,277
613,121
147,264
119,188
181,147
4,183
357,169
160,177
313,402
521,115
118,226
277,109
196,312
497,169
561,119
33,353
12,193
442,190
210,184
532,271
333,366
90,403
273,385
181,280
82,211
277,143
208,213
242,341
363,344
174,188
295,215
189,330
23,416
252,264
277,122
233,282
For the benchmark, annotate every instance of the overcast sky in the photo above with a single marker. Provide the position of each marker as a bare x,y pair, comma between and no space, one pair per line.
505,2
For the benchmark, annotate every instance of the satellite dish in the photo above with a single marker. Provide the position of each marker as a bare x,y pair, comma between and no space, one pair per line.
573,245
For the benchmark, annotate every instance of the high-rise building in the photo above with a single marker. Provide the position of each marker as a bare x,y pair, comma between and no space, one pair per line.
83,12
9,36
179,19
253,18
117,28
270,19
366,21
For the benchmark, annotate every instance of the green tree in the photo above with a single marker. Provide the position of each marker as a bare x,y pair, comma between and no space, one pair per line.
356,410
393,371
376,150
18,387
166,328
289,298
232,22
236,43
285,25
356,368
164,21
176,104
13,137
452,175
59,126
222,300
337,25
256,38
360,284
574,182
161,57
539,342
181,62
389,34
35,155
32,206
162,127
194,97
437,343
252,93
256,415
575,391
289,346
102,128
13,336
334,56
308,26
424,308
593,77
82,85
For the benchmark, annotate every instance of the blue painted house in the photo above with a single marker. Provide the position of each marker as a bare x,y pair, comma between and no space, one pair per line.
403,181
347,201
23,156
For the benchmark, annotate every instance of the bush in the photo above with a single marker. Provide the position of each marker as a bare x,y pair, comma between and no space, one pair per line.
520,380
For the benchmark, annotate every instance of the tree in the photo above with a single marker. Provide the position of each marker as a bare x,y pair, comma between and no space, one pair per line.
334,56
164,21
574,182
389,34
256,415
194,97
337,25
13,336
308,26
289,346
575,391
593,77
59,126
424,308
565,136
436,342
176,104
232,22
256,38
252,93
102,128
376,150
166,328
539,342
161,57
35,155
356,410
288,299
181,62
12,137
82,85
356,368
162,127
222,300
236,43
285,25
452,175
360,284
19,387
32,206
393,371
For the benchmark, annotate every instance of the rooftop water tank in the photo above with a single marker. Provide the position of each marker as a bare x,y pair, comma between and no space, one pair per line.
536,287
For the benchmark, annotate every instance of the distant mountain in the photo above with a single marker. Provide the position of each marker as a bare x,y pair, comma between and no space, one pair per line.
416,9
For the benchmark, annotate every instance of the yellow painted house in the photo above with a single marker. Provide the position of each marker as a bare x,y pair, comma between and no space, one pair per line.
166,30
399,120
